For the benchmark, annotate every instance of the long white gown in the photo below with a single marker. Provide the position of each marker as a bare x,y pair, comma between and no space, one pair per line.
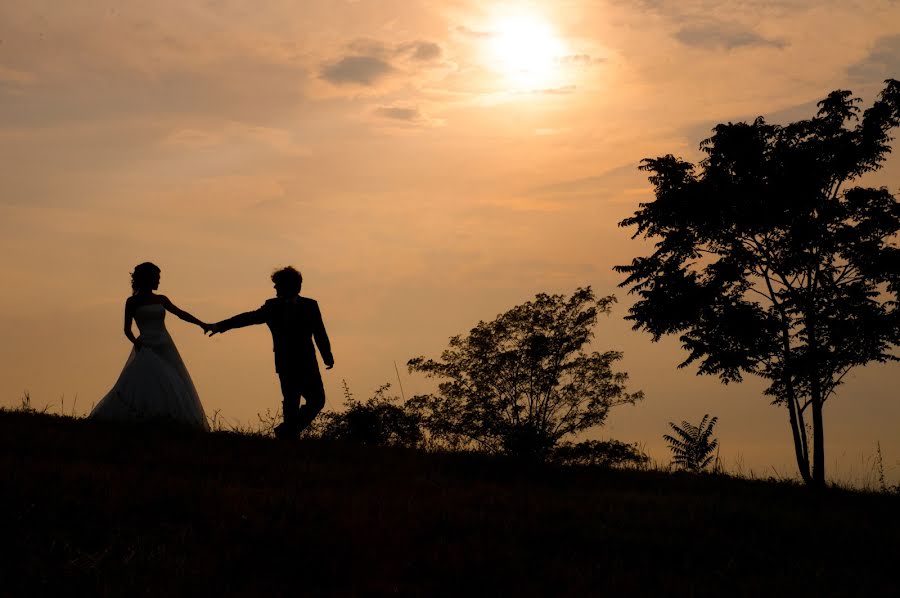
154,384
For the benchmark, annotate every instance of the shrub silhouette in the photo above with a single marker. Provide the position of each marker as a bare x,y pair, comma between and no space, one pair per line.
378,421
521,383
693,449
605,453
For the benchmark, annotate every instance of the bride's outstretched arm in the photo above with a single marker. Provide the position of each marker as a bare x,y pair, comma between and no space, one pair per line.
183,314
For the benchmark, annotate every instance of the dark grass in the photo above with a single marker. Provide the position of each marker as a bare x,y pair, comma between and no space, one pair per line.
90,509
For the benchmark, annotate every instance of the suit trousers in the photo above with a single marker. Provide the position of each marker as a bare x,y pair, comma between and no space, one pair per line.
296,383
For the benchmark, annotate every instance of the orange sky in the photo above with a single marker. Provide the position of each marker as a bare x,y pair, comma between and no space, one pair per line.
426,164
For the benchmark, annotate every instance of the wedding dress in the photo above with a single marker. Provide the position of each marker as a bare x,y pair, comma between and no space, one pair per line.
154,384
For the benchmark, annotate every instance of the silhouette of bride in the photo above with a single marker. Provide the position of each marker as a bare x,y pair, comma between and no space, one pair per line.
154,383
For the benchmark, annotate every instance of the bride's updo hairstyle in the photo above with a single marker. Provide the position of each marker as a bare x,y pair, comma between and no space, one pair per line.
289,279
143,277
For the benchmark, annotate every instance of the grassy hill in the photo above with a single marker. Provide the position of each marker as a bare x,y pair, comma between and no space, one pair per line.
100,509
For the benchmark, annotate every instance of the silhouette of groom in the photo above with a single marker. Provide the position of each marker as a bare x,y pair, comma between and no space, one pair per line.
294,322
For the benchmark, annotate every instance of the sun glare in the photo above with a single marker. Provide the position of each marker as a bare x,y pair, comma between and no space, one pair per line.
526,51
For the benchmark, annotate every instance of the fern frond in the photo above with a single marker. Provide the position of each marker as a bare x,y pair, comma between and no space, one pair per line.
693,450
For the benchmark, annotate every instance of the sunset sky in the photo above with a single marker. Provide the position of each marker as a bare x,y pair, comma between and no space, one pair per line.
425,164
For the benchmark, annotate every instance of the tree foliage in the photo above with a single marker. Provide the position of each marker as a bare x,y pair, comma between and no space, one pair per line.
767,262
520,383
693,448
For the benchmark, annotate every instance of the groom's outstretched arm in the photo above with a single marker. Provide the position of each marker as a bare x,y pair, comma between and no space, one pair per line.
249,318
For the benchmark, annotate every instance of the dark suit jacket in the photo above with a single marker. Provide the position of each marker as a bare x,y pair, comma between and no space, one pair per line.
294,323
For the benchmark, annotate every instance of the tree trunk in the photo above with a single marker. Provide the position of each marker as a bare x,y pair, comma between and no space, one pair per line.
799,437
816,399
797,429
818,435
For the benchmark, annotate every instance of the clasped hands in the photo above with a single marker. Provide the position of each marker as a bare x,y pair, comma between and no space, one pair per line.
212,330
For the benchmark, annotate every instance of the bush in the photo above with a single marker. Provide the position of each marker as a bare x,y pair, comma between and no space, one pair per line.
606,453
379,421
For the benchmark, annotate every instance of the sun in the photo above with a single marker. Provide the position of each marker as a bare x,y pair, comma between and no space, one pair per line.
526,51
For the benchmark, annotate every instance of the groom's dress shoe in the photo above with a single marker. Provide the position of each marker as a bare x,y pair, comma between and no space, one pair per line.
283,432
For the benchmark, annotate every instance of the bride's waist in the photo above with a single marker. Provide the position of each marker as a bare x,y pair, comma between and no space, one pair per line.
154,337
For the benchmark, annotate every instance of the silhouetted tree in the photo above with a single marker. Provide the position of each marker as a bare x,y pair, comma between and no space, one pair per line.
519,384
766,263
693,449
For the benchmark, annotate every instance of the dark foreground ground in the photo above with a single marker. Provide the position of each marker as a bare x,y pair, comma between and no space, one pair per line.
87,509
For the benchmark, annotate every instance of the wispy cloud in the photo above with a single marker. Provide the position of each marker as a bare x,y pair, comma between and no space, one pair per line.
613,178
13,76
406,115
724,35
725,24
882,62
399,113
473,33
556,91
226,90
580,60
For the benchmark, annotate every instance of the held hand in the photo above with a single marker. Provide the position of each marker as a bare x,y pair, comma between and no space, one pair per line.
211,330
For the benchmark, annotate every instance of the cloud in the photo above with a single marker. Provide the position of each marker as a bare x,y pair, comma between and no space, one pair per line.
248,89
580,60
556,91
274,141
371,60
366,46
882,62
418,50
407,116
12,76
399,113
724,24
91,64
501,96
614,182
421,51
720,34
360,70
682,9
465,31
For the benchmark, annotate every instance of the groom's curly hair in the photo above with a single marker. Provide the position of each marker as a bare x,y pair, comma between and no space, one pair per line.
142,275
289,278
